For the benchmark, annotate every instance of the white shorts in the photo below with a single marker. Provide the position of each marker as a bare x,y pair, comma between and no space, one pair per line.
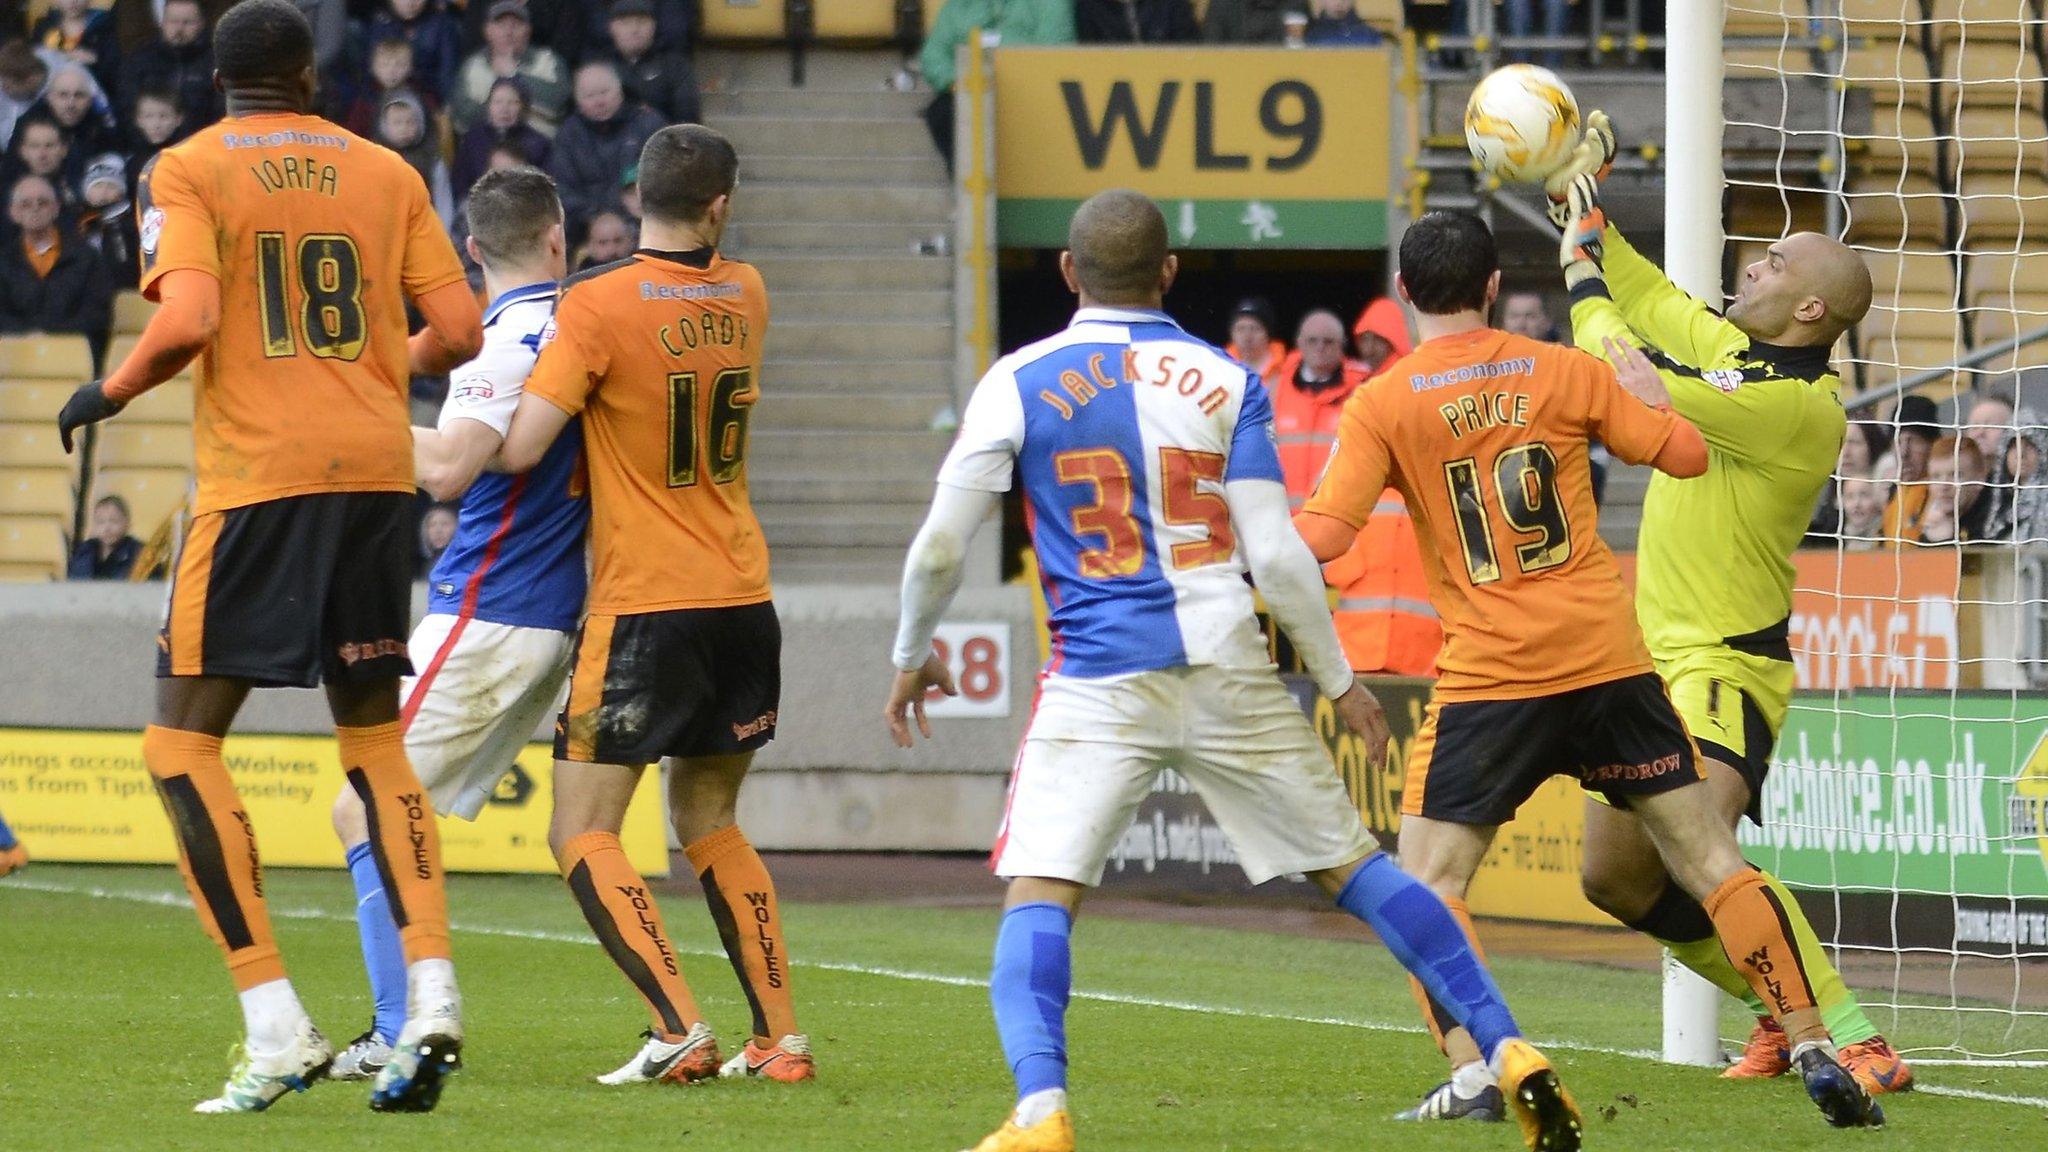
478,698
1095,748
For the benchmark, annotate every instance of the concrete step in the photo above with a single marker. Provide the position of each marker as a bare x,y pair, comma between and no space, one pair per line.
928,307
815,103
767,67
851,135
822,488
883,339
754,237
867,203
867,411
838,271
893,454
899,169
793,564
796,374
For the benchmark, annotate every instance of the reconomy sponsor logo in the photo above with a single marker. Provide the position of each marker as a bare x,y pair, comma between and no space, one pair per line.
1466,373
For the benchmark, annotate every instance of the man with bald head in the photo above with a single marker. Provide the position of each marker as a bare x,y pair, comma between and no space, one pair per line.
1148,462
1713,562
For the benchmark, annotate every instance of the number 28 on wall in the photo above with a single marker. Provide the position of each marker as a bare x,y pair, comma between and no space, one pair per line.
979,657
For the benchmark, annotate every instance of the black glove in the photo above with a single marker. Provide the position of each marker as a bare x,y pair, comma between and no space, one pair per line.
89,405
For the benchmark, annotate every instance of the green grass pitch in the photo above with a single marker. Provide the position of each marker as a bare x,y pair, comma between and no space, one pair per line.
117,1017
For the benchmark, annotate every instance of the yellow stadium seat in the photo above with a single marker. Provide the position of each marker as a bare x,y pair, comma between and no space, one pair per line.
1910,273
131,313
14,572
2005,207
37,492
1989,71
32,544
1882,19
168,403
1898,133
153,494
1775,19
124,445
2000,140
855,20
45,358
33,445
1910,319
1996,318
2007,274
1890,211
34,401
1984,20
742,20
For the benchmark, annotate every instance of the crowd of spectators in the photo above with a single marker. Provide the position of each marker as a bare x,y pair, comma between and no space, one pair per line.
88,95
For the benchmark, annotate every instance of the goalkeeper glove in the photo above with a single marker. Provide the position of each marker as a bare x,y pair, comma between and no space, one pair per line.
89,405
1579,253
1593,156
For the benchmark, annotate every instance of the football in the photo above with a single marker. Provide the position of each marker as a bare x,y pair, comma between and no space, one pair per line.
1521,123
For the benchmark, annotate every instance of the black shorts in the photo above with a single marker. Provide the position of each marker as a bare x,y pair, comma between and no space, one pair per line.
289,592
688,682
1477,761
1754,764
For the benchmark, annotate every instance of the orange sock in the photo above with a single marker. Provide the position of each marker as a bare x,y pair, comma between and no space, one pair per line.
404,839
1757,935
1451,1040
216,850
621,910
742,901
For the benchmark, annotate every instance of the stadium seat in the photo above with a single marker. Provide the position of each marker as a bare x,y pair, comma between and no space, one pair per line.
2008,274
1996,318
1910,319
32,547
33,445
1983,20
37,492
1768,19
1888,211
1910,273
131,313
153,494
2008,209
742,20
168,403
1988,72
124,445
45,358
1884,19
1898,133
34,401
2000,140
855,20
1893,72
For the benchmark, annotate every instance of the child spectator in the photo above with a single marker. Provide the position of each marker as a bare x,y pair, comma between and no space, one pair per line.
154,123
596,143
47,285
83,35
109,552
503,126
22,76
107,218
402,126
661,79
391,72
436,41
509,51
180,61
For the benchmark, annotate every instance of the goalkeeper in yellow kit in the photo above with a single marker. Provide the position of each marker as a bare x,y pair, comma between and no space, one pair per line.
1714,561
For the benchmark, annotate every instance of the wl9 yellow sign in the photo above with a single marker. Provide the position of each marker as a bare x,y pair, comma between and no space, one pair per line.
1241,147
86,796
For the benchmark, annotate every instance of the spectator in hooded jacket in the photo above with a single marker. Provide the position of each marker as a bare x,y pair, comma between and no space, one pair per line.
392,71
436,39
155,122
503,126
1010,22
404,126
596,143
49,284
660,78
107,218
179,61
2019,484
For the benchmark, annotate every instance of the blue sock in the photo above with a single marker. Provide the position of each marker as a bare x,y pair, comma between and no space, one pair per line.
6,835
382,954
1426,939
1029,984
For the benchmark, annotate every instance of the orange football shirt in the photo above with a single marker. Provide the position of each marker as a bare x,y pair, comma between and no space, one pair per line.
317,236
1485,435
660,353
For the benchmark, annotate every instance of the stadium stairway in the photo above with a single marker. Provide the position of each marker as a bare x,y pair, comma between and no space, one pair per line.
841,199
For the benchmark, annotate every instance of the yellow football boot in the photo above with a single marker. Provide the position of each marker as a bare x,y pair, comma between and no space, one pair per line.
1055,1133
1549,1119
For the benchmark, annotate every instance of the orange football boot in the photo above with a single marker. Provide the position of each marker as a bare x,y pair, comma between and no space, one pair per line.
788,1061
1768,1053
1876,1066
1055,1133
1550,1121
13,859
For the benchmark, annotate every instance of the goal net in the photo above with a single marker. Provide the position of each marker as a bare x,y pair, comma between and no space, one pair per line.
1907,797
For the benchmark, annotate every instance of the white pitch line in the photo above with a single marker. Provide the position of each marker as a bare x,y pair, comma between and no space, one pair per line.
171,900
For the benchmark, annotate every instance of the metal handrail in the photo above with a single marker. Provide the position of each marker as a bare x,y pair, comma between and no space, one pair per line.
1905,384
